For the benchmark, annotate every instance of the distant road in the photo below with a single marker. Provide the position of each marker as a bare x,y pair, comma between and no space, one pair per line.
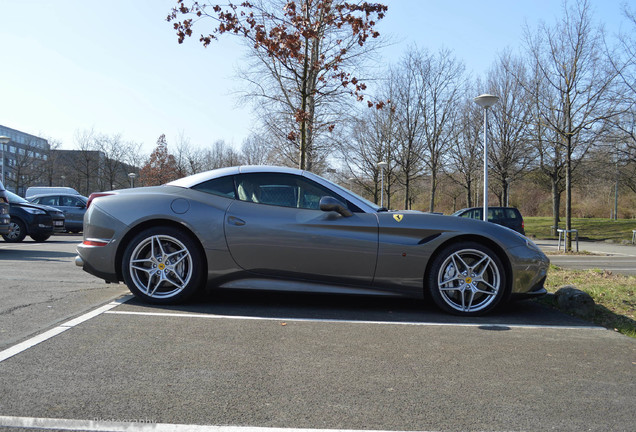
606,256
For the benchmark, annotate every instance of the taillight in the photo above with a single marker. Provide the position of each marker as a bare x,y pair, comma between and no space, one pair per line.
94,242
94,195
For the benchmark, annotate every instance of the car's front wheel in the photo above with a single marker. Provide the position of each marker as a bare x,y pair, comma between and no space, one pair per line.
17,231
467,278
163,265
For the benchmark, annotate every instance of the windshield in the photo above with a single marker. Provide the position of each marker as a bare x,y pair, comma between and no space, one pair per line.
14,199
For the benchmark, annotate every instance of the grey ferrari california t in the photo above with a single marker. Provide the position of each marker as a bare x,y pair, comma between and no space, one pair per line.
277,228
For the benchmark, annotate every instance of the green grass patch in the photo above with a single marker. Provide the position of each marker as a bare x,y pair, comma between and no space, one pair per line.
593,229
614,295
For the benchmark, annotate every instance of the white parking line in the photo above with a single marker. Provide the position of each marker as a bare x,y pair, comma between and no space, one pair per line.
142,426
23,346
491,325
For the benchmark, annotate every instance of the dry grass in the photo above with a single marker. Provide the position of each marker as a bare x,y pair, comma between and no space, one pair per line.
614,295
594,229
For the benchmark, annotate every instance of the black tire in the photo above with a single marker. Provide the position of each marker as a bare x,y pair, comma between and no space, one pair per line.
467,278
17,231
40,237
163,265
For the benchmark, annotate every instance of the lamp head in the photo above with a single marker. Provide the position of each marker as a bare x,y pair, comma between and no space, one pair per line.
486,100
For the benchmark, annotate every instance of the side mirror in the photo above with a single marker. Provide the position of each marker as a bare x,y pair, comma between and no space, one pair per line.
329,204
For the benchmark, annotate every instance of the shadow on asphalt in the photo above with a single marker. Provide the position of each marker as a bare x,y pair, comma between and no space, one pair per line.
34,255
29,250
275,305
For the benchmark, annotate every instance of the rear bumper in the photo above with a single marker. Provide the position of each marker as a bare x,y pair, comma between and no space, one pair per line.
109,277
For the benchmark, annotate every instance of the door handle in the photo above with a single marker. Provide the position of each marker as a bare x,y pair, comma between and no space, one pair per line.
235,221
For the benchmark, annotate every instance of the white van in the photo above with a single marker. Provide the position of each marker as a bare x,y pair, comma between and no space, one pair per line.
39,190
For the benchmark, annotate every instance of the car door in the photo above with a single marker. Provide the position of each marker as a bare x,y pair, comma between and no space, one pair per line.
277,228
74,209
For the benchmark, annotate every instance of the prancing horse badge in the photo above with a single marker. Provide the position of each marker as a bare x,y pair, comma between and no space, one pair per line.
398,217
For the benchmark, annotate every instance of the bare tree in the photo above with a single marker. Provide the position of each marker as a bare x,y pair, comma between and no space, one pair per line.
306,52
49,165
576,79
220,155
466,148
256,150
87,162
188,159
441,77
371,140
510,152
409,92
114,151
623,60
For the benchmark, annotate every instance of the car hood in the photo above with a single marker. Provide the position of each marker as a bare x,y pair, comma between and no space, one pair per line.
37,206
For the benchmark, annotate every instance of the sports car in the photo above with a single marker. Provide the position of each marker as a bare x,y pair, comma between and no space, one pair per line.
276,228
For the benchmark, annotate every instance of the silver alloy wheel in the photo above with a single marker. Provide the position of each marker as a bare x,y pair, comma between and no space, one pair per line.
469,280
161,266
14,231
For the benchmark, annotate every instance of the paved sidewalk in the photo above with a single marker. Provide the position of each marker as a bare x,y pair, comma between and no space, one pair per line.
592,247
610,257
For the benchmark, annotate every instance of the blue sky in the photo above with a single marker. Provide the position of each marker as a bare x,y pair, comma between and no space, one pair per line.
116,67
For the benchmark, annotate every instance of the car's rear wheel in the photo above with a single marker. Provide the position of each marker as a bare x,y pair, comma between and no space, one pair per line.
17,231
163,265
467,278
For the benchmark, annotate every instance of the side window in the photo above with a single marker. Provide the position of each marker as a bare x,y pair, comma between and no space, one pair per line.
512,214
223,186
71,201
49,201
67,201
495,214
282,190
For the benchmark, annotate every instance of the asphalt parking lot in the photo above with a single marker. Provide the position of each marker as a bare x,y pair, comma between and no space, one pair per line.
241,360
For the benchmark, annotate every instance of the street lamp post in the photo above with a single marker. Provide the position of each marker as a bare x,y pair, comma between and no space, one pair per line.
486,101
382,166
3,141
132,179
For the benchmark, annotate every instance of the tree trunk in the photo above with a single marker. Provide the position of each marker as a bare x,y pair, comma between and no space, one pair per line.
432,190
407,182
556,204
568,193
469,197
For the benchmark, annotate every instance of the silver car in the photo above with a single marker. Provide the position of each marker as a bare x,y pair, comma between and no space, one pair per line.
279,228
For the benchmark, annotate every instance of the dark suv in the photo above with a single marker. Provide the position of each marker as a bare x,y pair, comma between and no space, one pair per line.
507,216
4,211
35,220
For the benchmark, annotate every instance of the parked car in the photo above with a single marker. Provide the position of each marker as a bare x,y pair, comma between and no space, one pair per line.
34,220
5,218
507,216
49,190
279,228
73,207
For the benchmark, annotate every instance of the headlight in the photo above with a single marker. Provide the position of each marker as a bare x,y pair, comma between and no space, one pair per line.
33,210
